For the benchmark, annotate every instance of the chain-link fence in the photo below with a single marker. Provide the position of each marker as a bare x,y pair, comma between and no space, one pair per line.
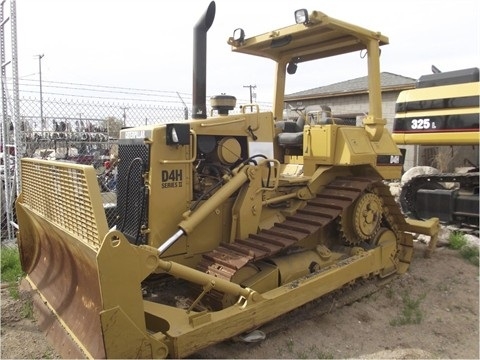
84,132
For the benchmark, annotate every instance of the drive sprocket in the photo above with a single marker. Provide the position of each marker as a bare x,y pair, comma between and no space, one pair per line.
361,221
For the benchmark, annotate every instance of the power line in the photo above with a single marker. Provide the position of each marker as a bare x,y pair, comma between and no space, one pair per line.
106,86
164,93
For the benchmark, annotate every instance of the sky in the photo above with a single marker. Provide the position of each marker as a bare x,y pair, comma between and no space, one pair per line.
147,44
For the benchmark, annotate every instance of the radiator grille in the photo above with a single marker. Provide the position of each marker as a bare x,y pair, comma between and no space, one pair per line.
132,204
66,195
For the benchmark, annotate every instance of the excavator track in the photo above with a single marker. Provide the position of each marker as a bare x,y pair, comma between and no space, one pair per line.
408,196
227,259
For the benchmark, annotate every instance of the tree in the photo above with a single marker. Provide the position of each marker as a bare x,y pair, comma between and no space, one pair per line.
113,126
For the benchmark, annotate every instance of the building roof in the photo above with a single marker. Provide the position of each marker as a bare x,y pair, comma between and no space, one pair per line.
389,82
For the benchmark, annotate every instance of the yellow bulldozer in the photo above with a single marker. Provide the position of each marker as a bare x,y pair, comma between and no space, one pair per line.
245,216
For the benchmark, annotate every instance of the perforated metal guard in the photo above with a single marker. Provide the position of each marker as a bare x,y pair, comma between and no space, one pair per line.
67,195
132,207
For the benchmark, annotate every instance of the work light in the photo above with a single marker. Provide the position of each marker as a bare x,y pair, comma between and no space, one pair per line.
301,16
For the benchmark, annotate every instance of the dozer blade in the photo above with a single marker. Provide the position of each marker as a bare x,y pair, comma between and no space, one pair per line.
58,247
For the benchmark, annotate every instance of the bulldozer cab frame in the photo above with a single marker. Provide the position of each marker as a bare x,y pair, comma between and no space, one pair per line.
318,36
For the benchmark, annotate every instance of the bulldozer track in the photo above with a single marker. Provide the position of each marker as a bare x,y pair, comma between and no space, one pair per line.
328,205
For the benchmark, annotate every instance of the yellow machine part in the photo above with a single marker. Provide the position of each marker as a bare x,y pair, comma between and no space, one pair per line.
93,285
61,232
454,131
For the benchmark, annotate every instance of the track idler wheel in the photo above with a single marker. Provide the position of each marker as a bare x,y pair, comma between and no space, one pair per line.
361,221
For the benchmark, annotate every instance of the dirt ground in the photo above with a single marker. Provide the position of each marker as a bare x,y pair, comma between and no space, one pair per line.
442,292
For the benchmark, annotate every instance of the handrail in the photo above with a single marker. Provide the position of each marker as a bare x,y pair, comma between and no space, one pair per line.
194,152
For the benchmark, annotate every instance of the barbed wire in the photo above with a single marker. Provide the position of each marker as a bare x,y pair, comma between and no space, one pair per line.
116,93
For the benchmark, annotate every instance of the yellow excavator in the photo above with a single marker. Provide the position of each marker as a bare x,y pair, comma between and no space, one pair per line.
442,110
242,216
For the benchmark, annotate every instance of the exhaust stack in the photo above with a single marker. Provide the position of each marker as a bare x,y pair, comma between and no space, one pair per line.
199,106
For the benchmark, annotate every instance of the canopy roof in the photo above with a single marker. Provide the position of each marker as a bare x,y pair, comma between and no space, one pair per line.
321,37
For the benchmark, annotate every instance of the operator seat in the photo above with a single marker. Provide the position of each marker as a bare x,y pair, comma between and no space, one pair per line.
292,130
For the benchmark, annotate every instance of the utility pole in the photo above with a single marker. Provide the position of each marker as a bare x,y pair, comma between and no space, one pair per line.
251,87
124,115
42,122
